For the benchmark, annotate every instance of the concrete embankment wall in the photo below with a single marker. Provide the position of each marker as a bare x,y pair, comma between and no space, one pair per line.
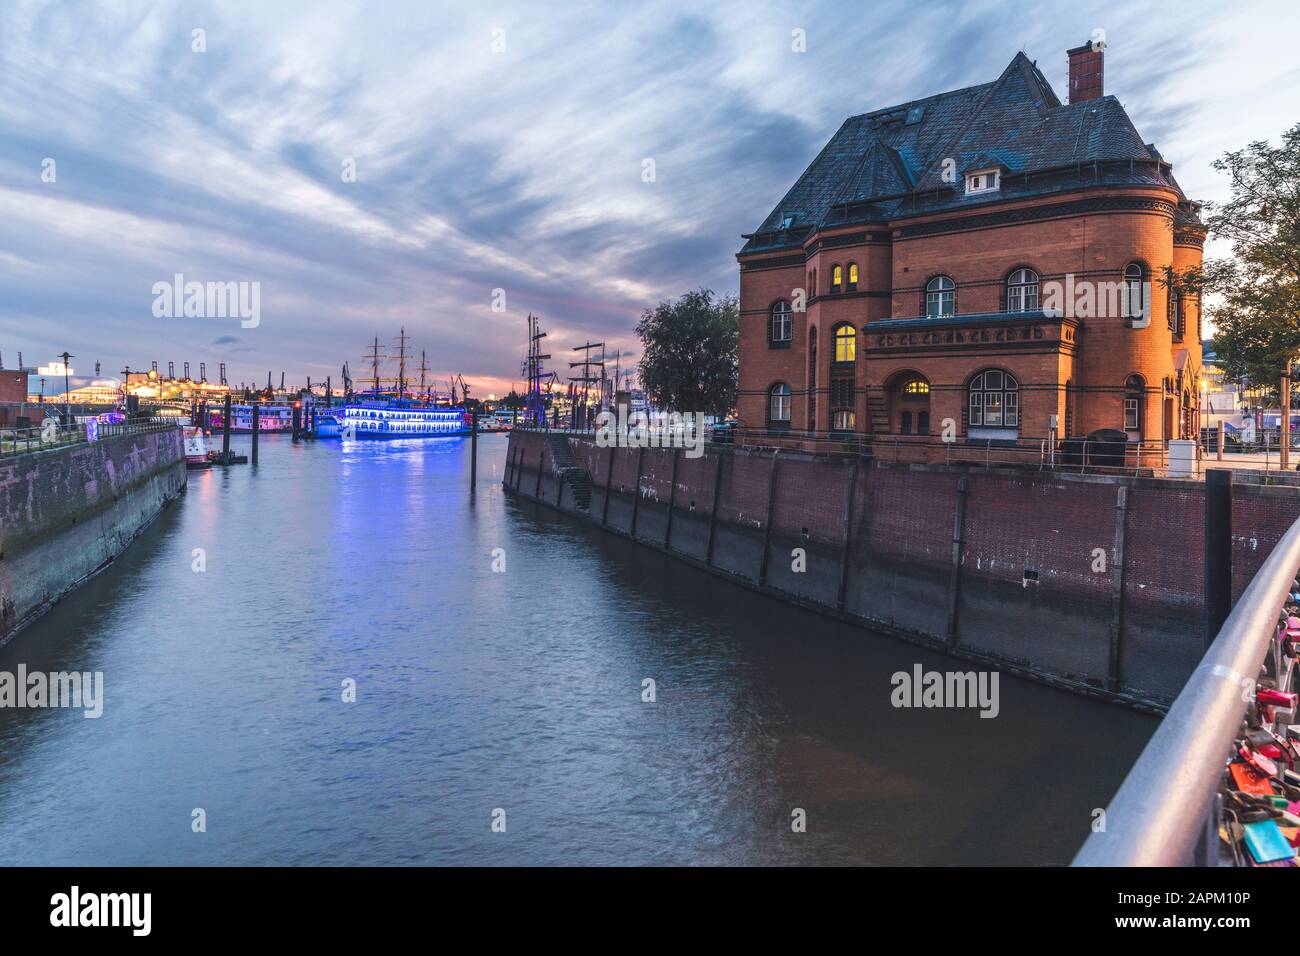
67,512
1088,582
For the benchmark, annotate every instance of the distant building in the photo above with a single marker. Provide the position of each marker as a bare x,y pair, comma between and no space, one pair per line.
990,257
14,404
1225,401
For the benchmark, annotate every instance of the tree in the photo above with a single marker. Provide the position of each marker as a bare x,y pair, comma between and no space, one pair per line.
690,359
1258,317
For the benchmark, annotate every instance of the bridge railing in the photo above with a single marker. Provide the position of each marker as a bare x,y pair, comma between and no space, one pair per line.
1166,812
52,434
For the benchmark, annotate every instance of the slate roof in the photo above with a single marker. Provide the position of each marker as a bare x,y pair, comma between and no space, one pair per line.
889,163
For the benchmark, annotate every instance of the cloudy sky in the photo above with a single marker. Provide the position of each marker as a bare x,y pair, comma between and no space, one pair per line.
496,146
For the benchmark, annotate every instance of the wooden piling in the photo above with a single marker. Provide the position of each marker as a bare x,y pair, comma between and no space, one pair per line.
609,475
847,537
1113,675
636,490
713,510
256,409
767,519
1218,550
473,449
672,500
225,432
958,539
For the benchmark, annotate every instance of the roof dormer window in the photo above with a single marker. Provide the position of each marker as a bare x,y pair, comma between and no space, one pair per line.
983,181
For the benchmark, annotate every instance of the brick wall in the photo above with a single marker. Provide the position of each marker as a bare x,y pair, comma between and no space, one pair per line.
1093,247
1039,585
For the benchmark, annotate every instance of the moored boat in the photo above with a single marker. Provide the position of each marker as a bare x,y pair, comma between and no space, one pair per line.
196,450
398,419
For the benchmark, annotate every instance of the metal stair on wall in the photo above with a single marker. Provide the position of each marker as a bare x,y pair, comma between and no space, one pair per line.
575,476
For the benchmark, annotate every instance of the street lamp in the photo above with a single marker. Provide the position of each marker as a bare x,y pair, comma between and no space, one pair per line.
67,391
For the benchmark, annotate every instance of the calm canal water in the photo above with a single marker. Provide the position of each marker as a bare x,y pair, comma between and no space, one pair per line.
519,690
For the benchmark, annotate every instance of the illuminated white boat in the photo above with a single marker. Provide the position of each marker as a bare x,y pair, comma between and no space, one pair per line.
388,420
196,449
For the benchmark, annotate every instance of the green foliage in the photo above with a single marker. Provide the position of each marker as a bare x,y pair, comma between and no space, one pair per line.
690,360
1258,314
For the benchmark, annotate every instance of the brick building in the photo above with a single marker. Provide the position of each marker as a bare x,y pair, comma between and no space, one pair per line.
991,257
14,407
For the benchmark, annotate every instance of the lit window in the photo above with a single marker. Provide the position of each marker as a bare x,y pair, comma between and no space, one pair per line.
916,387
1022,291
837,277
940,297
994,400
853,277
845,343
843,421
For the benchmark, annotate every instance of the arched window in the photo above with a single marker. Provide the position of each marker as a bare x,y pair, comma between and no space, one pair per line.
781,329
905,423
916,388
837,277
853,277
1135,388
994,400
778,404
845,343
1022,291
1135,304
940,297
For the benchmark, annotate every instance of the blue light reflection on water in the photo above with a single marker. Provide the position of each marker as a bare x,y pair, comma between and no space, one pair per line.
519,690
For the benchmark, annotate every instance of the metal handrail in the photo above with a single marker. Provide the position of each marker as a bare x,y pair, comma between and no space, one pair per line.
15,442
1162,808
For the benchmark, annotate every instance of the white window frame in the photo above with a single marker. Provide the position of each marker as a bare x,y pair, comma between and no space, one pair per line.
944,295
993,407
785,316
983,181
1022,291
778,401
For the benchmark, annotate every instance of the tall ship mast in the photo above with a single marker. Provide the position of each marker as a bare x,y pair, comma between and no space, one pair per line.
393,413
424,369
401,365
375,359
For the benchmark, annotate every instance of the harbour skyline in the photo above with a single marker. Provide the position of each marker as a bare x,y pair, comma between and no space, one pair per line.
341,163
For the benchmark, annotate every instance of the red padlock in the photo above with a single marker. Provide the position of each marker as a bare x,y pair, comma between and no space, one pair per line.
1271,697
1257,761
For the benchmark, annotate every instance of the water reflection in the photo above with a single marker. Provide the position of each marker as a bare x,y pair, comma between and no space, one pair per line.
519,690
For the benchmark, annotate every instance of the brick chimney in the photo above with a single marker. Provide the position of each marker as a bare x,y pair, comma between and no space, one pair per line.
1086,72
